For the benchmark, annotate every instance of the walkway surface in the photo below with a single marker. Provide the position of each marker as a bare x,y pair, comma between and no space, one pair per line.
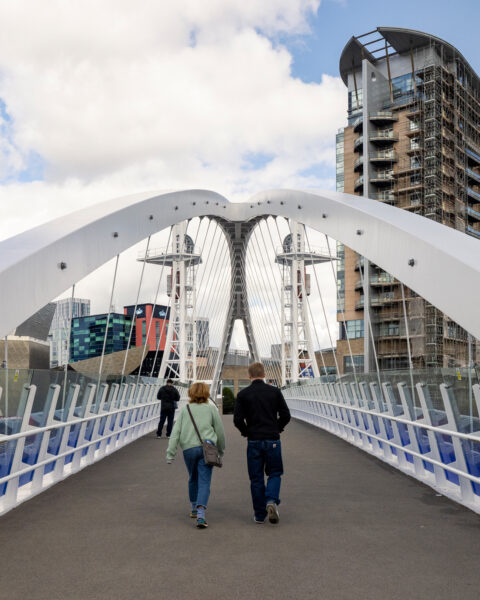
351,528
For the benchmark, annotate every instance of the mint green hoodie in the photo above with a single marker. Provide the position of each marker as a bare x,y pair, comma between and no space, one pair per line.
209,424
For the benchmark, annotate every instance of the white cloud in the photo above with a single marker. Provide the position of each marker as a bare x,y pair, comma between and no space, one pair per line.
118,97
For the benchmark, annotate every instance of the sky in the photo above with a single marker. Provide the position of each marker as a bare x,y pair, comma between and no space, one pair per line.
102,98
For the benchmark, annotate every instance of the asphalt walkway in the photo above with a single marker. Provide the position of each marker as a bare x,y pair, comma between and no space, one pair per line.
351,528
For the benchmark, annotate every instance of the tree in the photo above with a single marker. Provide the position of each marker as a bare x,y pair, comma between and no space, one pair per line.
228,401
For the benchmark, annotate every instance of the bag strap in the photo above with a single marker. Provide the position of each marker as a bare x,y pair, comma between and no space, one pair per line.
194,424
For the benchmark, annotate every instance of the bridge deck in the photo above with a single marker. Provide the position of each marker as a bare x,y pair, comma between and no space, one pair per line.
350,527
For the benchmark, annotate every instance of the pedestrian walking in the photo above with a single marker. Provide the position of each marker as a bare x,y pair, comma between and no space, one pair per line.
261,414
169,397
210,428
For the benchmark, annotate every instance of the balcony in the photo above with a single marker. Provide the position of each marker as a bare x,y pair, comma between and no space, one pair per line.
472,231
473,193
378,280
358,124
384,196
383,279
473,213
473,155
383,156
382,177
358,164
358,182
473,175
358,143
383,116
383,136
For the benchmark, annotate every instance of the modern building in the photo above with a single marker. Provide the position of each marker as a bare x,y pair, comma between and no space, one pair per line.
150,324
149,328
65,311
412,141
87,337
203,333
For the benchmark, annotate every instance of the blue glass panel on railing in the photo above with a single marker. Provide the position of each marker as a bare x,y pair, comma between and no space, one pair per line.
447,454
31,450
472,457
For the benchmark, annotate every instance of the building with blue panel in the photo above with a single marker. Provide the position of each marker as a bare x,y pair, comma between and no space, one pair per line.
88,335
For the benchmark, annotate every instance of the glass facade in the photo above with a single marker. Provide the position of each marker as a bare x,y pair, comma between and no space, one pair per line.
60,327
355,101
352,329
348,365
88,335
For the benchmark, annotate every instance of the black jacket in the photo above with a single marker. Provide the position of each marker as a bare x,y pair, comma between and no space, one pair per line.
261,412
168,395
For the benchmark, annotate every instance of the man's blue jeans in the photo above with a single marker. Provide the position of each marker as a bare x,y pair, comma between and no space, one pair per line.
264,457
200,476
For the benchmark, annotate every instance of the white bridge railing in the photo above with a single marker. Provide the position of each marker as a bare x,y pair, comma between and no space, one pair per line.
52,435
431,441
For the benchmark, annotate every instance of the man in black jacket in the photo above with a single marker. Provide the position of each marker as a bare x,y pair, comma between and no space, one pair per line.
261,414
169,397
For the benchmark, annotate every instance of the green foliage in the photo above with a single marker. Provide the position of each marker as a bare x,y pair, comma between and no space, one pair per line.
228,400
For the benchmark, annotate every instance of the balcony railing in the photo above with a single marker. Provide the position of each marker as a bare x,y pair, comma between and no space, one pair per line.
384,156
382,135
358,142
358,163
358,182
383,115
474,175
381,177
473,193
384,196
358,124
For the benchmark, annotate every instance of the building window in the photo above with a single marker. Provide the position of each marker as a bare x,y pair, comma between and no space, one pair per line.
348,365
415,162
355,100
352,329
415,179
144,331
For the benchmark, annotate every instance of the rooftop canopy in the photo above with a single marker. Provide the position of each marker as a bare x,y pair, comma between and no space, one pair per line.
374,44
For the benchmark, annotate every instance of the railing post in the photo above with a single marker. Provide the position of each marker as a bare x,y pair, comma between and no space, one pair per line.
453,417
378,403
50,405
87,403
25,407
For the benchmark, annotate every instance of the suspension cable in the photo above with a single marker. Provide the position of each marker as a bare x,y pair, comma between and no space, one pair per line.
344,322
134,316
107,323
160,277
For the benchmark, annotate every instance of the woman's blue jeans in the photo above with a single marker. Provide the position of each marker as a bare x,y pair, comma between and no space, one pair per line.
200,476
264,457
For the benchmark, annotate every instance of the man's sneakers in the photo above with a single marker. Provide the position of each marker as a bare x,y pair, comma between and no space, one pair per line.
193,514
202,524
259,521
272,512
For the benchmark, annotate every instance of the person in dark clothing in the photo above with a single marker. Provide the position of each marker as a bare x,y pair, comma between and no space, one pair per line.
169,397
261,414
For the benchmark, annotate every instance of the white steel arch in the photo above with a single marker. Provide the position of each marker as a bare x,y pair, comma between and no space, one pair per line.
439,263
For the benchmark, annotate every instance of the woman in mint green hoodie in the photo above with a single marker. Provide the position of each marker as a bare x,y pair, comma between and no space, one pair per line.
210,426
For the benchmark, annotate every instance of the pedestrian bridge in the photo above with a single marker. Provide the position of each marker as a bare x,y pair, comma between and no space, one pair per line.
386,507
350,528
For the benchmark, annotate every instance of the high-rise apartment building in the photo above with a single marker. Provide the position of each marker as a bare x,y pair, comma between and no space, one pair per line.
66,309
412,141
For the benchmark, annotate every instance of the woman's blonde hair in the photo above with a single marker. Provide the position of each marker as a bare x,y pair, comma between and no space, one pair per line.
199,392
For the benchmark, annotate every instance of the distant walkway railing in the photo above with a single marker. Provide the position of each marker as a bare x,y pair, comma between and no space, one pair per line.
427,438
49,431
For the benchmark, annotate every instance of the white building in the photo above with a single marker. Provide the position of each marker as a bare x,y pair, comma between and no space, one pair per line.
67,309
